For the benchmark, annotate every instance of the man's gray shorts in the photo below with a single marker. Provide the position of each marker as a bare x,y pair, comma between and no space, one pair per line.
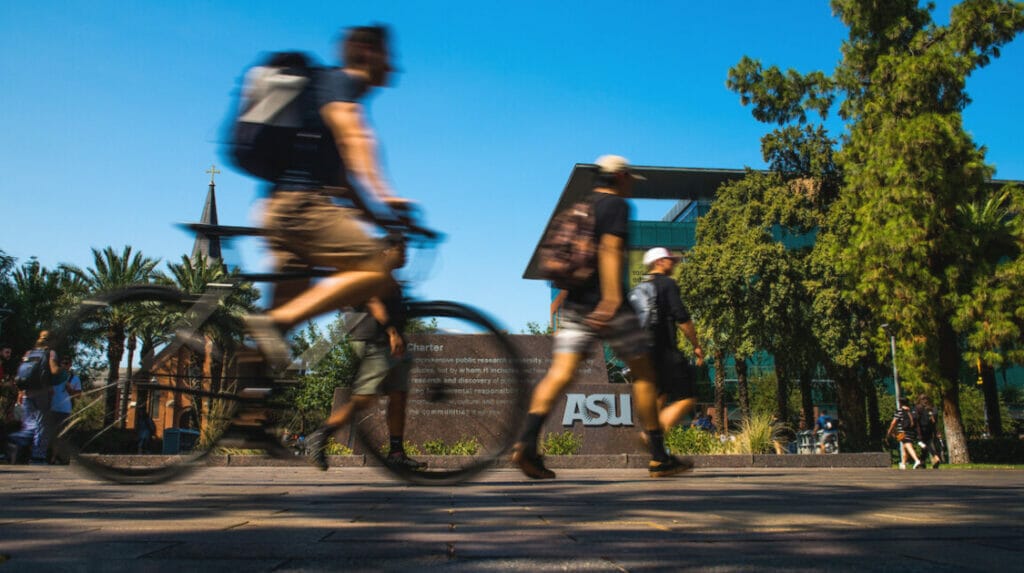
379,373
623,333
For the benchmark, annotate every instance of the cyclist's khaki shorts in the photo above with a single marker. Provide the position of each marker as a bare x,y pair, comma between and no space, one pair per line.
308,229
623,333
378,372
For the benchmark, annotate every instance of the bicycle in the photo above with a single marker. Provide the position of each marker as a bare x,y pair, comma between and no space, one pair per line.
221,395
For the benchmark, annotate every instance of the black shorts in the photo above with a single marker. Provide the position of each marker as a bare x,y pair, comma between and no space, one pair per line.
675,378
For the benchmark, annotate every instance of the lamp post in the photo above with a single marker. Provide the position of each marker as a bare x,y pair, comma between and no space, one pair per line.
895,373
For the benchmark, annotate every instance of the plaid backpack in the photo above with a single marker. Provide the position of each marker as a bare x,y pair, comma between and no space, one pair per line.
568,252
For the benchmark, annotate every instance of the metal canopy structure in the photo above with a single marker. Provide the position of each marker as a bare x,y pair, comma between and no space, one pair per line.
679,183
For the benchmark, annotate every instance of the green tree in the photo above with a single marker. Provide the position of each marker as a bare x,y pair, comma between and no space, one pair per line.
311,400
111,271
908,169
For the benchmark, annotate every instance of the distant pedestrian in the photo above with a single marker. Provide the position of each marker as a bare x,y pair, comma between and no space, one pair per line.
903,428
927,435
35,407
145,429
66,386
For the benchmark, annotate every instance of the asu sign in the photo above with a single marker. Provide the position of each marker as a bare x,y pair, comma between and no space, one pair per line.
598,410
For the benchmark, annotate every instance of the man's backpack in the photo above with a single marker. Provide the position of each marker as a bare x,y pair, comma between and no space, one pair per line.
568,252
644,298
34,371
277,123
924,421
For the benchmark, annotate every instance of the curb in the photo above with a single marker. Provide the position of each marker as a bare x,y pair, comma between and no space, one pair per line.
611,461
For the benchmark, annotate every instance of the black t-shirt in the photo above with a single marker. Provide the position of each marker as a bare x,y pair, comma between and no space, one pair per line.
315,161
369,330
671,312
611,217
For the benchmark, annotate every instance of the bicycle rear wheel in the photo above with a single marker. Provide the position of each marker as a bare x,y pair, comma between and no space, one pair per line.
166,406
467,392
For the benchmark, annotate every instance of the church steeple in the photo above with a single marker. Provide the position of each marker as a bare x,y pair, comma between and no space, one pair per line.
209,247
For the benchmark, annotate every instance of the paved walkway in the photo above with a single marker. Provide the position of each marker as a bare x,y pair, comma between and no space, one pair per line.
295,519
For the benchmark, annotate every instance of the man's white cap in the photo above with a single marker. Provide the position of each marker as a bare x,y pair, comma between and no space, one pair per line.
609,164
656,254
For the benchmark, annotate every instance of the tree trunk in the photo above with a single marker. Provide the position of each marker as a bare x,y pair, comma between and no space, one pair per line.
874,416
853,418
782,394
720,391
949,365
741,386
806,400
115,350
988,387
126,389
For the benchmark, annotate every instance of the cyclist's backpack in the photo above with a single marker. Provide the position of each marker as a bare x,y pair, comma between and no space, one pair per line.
277,113
644,298
34,371
568,252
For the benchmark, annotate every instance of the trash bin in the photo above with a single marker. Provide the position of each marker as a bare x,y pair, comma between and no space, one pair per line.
179,440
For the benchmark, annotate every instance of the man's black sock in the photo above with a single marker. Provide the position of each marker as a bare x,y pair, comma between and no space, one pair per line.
656,441
396,445
532,431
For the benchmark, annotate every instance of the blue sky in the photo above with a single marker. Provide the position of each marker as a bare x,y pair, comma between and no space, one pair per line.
112,112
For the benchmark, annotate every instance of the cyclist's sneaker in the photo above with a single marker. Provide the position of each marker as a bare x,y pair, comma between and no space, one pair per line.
401,461
317,447
269,339
669,467
532,464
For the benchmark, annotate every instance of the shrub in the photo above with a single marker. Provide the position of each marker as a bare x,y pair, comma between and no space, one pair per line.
693,441
757,435
996,451
561,444
333,448
461,447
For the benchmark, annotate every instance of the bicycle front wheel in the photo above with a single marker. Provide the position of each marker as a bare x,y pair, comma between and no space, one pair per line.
465,391
156,399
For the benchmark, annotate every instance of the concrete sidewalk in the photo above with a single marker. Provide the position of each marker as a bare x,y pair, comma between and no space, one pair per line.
355,519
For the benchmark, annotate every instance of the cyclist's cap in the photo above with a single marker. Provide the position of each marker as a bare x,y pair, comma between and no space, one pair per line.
611,164
656,254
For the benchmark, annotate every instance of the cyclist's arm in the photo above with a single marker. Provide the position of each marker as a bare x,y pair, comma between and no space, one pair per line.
356,145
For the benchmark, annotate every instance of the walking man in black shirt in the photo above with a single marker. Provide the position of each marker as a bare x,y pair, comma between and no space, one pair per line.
598,310
675,380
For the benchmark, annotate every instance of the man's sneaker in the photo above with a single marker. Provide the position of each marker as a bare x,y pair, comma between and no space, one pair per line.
917,465
402,461
903,466
269,339
531,464
317,447
935,465
669,467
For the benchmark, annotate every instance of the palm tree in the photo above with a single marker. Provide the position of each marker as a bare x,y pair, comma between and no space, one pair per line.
223,329
111,271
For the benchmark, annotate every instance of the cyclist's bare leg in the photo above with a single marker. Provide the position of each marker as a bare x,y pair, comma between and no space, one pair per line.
349,288
672,413
343,414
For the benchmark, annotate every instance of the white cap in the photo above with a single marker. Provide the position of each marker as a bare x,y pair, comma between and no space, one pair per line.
609,164
656,254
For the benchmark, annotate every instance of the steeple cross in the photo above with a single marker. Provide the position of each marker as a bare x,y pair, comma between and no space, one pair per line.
212,171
